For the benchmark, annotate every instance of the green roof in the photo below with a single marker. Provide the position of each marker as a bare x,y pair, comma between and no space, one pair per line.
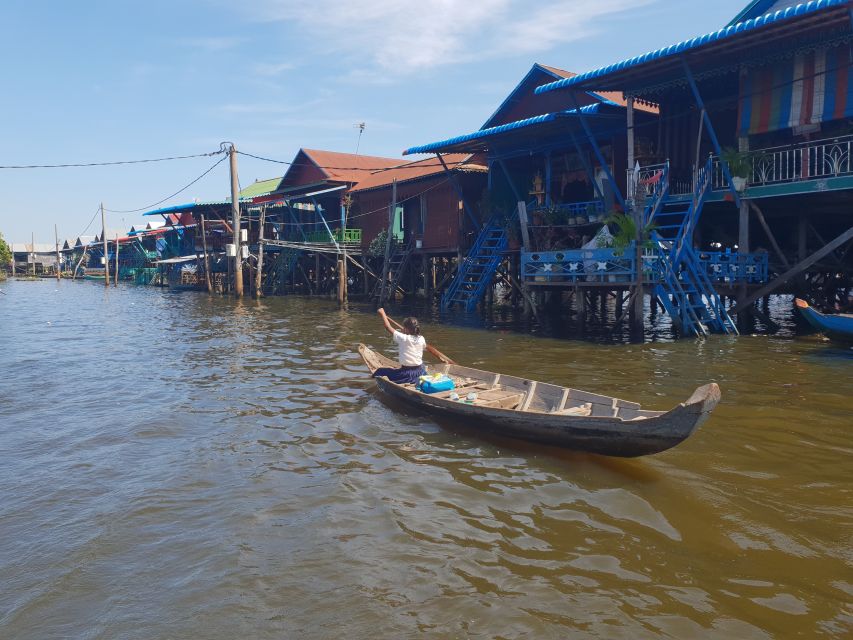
260,188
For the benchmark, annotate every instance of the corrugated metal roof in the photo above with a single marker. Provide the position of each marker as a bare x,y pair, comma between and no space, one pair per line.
347,167
260,188
184,207
27,247
687,45
591,109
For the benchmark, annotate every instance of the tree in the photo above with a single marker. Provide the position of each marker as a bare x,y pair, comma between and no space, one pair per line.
5,254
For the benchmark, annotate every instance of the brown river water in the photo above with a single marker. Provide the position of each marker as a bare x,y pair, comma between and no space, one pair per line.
185,466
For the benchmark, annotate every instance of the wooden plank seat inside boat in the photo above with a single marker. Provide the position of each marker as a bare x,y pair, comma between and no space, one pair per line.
510,392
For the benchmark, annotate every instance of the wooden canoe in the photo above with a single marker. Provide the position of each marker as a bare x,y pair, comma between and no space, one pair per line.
549,414
838,326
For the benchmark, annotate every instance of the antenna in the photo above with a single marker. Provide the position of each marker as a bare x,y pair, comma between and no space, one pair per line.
360,126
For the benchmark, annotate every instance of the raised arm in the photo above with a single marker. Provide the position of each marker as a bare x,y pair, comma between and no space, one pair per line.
385,321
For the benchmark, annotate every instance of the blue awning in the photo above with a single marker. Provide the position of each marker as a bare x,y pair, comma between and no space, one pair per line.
173,209
588,80
459,142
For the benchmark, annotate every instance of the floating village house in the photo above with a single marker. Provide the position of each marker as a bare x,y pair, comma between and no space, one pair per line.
722,165
751,122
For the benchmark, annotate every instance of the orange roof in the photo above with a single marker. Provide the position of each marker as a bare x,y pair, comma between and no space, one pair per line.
415,170
348,167
613,96
560,72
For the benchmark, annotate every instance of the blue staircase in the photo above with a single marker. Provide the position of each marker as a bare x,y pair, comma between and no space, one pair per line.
685,290
477,269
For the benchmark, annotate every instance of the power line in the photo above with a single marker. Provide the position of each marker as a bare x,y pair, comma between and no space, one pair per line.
106,164
414,164
182,189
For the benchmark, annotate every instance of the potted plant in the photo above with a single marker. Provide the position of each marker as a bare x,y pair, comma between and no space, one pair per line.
626,233
740,166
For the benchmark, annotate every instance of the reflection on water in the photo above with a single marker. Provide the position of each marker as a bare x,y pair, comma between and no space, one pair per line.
177,466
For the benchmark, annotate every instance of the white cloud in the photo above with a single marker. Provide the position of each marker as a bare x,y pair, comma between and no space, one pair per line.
272,69
210,44
400,36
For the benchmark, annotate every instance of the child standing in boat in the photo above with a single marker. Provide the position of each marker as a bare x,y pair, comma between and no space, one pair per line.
411,344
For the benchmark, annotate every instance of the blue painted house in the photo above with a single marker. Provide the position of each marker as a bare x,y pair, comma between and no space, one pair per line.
747,124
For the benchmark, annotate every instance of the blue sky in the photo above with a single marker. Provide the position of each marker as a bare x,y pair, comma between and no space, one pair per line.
93,81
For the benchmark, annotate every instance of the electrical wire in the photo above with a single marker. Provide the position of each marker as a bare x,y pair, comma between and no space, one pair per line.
94,215
106,164
181,190
414,164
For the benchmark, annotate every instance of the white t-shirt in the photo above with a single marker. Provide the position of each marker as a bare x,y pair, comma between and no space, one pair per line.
411,349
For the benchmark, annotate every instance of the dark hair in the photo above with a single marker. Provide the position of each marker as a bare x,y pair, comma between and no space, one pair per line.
411,326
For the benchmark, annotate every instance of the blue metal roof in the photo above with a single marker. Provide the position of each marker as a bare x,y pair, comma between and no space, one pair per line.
742,27
173,209
589,109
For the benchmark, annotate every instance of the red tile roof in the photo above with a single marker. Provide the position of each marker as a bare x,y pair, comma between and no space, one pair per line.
348,167
403,172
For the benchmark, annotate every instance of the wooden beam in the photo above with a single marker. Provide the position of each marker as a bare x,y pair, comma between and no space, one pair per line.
793,271
523,221
770,236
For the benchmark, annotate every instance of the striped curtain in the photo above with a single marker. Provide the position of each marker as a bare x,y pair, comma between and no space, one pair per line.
811,88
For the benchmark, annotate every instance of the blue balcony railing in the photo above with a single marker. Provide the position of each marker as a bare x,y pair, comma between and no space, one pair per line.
570,213
610,265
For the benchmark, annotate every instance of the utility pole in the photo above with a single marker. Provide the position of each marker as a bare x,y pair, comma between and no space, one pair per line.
115,280
58,261
235,224
104,239
33,251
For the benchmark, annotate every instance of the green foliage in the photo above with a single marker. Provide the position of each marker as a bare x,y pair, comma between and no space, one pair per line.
376,247
739,162
5,253
626,231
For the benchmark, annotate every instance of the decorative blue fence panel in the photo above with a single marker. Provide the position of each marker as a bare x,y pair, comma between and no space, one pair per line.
611,265
735,267
586,265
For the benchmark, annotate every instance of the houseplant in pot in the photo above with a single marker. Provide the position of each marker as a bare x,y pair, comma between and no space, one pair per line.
624,230
740,166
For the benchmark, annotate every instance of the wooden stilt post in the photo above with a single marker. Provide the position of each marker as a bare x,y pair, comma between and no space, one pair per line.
104,242
115,278
58,260
342,259
365,283
260,274
385,265
235,223
207,279
425,262
742,251
760,217
316,273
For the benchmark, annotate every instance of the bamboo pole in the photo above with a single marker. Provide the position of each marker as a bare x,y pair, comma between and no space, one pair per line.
115,279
